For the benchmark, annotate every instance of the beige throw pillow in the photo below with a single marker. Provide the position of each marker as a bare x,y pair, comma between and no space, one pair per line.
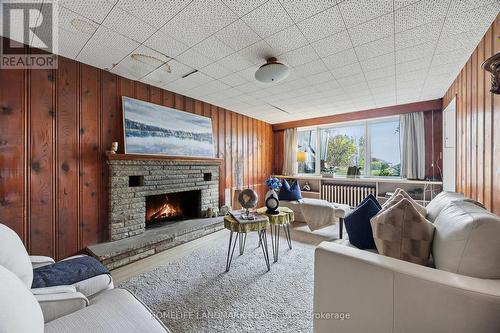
401,232
400,195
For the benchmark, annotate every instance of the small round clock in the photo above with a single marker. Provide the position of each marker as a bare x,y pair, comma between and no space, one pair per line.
272,204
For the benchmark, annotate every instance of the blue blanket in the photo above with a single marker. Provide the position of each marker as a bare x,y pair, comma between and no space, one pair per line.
67,272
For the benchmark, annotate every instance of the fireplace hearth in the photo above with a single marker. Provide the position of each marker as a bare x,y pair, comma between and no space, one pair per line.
171,207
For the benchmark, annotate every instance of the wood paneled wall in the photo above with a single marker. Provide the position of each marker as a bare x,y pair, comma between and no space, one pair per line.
433,132
478,125
55,126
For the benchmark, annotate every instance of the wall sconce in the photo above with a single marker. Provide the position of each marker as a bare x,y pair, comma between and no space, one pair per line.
492,65
301,156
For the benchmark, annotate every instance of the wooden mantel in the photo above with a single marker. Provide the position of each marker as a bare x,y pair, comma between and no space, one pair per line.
140,157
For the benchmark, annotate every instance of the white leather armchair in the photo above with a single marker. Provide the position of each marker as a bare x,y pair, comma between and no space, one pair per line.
384,294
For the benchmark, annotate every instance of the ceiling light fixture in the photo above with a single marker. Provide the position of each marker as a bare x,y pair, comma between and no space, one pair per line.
83,26
272,71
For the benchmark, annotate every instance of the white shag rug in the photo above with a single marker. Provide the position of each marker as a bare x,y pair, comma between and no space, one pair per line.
195,294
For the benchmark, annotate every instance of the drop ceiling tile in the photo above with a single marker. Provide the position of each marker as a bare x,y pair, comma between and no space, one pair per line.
199,20
377,28
166,44
154,12
425,33
106,48
180,85
159,77
376,48
67,18
346,70
410,76
133,28
197,78
258,53
457,56
388,82
268,19
319,78
352,80
458,6
327,87
414,65
96,10
415,52
314,28
233,80
136,69
194,59
237,35
333,44
300,10
216,70
380,72
286,40
248,73
354,11
70,44
242,7
415,84
402,3
340,59
464,40
235,62
479,18
313,67
213,48
248,87
299,56
419,13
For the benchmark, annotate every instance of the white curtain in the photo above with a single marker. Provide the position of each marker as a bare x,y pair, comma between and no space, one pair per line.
412,133
290,152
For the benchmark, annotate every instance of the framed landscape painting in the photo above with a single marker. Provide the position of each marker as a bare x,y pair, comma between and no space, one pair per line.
159,130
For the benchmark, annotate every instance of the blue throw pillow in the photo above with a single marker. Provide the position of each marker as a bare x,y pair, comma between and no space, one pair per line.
371,197
358,225
289,192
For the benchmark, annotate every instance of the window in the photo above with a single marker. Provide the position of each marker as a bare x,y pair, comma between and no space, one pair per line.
306,151
371,146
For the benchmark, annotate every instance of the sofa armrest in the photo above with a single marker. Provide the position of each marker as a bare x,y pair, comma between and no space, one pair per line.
54,290
61,304
391,295
40,261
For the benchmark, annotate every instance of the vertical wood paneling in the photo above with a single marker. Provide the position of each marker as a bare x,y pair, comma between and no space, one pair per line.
478,116
13,171
41,163
55,127
67,161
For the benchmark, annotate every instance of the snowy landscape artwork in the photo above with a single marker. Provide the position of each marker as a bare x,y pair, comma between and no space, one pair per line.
159,130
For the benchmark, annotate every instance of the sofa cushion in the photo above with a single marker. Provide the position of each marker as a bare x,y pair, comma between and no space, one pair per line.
403,195
13,255
290,192
467,241
19,310
401,232
115,310
371,197
440,201
358,225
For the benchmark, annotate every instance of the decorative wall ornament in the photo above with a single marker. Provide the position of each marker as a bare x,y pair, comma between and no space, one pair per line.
492,65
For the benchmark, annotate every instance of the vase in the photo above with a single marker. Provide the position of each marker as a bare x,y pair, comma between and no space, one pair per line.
269,193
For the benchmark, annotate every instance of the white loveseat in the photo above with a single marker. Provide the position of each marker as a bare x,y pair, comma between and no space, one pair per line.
382,294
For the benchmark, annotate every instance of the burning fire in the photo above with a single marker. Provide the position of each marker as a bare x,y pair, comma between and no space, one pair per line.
166,210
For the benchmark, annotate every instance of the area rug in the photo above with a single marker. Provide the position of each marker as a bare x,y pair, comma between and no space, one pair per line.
195,294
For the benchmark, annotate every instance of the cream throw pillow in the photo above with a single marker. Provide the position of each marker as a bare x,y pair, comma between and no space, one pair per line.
399,195
401,232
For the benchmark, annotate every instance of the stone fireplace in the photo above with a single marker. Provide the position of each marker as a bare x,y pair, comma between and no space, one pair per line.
147,191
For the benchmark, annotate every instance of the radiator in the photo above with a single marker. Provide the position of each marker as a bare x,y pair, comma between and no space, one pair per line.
350,195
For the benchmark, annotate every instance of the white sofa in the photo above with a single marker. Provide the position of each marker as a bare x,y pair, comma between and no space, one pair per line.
357,291
114,310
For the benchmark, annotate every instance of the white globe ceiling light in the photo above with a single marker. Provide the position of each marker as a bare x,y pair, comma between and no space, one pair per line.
272,71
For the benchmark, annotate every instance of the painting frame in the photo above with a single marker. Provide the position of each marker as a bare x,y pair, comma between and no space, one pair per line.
173,112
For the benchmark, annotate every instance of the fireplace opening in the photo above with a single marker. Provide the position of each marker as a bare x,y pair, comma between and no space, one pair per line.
172,207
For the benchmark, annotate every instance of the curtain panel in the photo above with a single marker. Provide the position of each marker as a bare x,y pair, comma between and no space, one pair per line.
412,140
290,152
